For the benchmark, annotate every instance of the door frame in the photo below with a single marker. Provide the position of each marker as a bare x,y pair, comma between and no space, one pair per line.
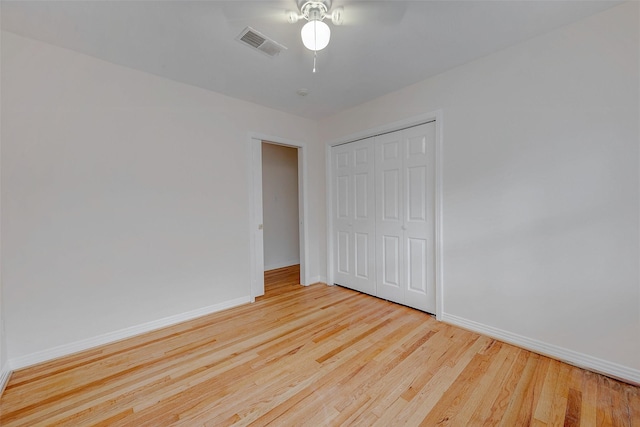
256,236
436,116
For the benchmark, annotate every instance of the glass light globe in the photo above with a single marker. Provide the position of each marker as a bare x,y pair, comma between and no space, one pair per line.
315,35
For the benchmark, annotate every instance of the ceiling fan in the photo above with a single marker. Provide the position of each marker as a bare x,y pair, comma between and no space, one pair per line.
315,33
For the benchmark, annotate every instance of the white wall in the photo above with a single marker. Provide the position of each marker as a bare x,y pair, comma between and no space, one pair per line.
125,196
280,206
541,201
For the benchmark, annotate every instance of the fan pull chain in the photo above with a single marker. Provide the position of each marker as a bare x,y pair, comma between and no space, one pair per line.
315,44
315,55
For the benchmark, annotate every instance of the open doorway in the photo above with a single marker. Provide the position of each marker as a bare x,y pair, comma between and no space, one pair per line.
257,255
280,214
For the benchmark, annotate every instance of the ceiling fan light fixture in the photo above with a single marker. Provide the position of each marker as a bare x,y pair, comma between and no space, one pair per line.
315,35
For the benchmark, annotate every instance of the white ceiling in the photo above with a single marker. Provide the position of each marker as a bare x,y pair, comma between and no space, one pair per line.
383,46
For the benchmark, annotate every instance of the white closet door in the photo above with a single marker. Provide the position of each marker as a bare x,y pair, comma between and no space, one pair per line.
419,215
405,187
354,216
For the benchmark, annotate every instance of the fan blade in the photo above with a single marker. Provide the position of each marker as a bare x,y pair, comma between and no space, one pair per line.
372,12
251,11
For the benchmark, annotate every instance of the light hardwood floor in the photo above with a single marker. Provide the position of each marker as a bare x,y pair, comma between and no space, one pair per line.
314,356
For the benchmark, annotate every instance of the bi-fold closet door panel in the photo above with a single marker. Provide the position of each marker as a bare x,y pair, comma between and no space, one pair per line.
354,216
383,216
390,251
405,214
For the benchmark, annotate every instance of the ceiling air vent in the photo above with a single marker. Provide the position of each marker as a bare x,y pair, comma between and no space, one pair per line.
258,41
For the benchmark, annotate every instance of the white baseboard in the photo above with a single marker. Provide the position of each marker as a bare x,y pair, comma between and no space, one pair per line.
571,357
317,279
281,264
75,347
5,375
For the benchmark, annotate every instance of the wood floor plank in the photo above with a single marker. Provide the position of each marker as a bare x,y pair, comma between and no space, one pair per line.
497,408
574,402
487,405
316,355
542,411
633,400
421,405
483,386
514,414
559,406
589,388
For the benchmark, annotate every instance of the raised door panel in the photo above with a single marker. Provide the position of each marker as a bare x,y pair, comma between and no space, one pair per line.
416,265
362,262
343,256
361,196
390,195
416,194
390,261
342,197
